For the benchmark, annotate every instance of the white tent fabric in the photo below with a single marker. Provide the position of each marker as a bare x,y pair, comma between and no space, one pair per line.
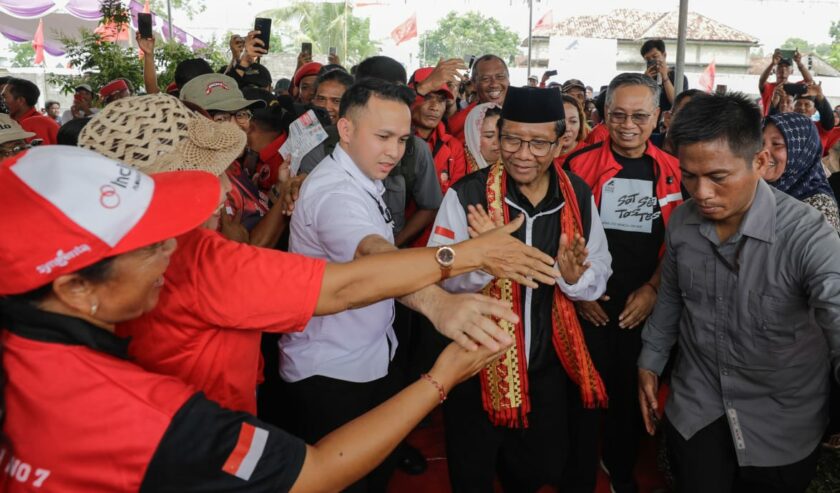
64,18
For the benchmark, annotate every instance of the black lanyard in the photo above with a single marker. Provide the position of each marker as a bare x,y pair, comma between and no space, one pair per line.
384,211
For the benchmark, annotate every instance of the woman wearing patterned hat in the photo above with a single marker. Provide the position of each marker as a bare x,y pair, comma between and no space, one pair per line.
78,414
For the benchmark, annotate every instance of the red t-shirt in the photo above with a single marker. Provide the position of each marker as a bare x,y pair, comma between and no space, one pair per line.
767,95
218,298
45,128
79,419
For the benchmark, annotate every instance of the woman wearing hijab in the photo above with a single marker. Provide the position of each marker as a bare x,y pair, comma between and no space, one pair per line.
796,167
482,136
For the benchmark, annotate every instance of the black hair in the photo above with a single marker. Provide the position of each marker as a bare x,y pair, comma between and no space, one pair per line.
273,119
482,59
652,44
22,88
732,118
68,133
189,69
785,61
339,76
50,103
358,95
493,111
688,93
96,273
381,67
601,103
330,67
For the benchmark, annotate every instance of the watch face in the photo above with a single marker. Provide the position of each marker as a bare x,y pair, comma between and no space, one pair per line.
446,256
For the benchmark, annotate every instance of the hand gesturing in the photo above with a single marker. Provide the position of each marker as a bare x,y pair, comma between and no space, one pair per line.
571,258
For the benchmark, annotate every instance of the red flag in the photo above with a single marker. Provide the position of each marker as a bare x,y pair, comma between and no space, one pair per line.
707,78
38,43
406,30
545,22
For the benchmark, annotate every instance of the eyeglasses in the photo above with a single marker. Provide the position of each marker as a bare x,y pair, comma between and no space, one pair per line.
224,116
620,117
539,148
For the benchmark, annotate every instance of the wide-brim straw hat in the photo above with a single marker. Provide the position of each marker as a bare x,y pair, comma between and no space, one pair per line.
157,133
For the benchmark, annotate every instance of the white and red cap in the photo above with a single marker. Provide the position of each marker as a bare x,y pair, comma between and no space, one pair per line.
65,208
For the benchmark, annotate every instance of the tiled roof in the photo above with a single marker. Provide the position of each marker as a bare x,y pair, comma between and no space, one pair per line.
634,24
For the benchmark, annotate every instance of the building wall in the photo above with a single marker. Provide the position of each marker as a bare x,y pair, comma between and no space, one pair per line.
729,57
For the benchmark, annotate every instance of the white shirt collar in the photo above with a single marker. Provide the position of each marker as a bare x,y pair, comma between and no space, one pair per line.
344,160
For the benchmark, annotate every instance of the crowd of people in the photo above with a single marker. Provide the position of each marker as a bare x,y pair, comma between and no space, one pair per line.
198,282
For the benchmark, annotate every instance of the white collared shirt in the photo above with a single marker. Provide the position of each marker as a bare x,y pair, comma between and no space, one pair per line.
337,208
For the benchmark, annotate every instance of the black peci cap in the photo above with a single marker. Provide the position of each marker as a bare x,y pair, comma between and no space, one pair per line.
533,105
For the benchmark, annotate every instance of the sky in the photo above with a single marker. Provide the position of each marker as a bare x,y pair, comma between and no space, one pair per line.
771,21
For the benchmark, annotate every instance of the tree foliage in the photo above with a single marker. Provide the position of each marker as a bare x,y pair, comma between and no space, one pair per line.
457,35
188,7
102,61
323,25
830,52
24,54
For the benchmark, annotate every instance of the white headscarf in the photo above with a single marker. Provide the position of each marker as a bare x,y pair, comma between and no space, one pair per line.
472,131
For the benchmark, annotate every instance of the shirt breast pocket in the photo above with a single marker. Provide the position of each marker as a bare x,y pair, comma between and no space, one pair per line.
775,322
692,281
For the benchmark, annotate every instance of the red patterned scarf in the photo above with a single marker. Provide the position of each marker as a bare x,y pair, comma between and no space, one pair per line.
504,382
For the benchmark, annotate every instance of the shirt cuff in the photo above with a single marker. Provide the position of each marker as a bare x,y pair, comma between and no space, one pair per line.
651,360
578,290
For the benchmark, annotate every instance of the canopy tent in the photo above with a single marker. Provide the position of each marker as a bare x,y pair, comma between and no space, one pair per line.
63,18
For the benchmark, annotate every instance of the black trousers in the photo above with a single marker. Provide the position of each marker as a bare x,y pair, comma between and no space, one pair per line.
320,404
525,458
614,352
706,462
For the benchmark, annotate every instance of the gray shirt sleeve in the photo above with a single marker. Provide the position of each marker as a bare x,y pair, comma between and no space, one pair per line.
426,191
662,328
820,273
312,159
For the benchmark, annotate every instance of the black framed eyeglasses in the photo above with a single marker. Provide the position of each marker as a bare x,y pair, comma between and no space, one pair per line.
539,148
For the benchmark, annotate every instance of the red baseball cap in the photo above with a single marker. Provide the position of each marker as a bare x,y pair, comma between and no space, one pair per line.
65,208
112,87
311,68
422,74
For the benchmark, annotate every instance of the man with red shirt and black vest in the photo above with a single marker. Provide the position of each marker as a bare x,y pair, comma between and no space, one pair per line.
448,152
21,98
636,187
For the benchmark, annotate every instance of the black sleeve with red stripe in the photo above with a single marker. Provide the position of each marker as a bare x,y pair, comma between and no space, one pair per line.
209,448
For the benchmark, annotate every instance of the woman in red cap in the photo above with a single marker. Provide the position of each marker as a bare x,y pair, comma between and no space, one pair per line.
79,416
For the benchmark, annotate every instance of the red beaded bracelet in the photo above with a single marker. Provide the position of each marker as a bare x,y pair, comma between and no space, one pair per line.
439,387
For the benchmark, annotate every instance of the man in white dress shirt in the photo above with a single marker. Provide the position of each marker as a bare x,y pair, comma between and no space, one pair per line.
337,368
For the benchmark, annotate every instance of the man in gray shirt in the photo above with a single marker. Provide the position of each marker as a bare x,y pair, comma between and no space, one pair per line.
751,292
